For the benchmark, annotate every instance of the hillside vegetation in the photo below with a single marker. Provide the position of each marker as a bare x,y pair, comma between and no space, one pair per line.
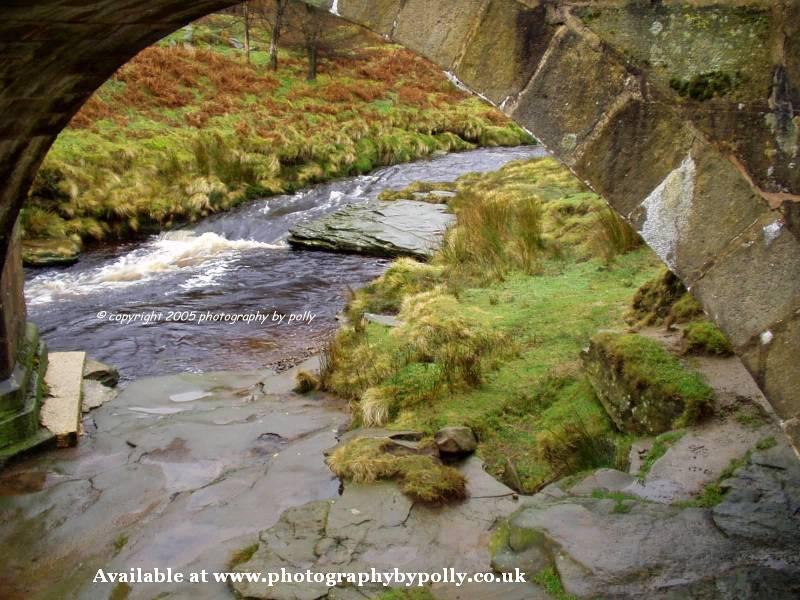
189,128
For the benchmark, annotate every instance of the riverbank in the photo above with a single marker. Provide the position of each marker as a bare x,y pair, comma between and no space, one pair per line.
233,263
188,129
490,333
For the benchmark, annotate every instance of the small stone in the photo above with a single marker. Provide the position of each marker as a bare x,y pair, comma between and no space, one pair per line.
98,371
456,440
95,394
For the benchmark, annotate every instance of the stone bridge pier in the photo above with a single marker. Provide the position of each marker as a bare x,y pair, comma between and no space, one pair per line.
683,114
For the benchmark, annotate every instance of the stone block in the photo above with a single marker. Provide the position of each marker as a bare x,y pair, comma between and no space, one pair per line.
506,49
674,219
633,153
377,15
438,30
573,88
774,360
755,284
61,412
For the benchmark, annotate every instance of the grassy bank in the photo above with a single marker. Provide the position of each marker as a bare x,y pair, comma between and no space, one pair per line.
494,326
188,128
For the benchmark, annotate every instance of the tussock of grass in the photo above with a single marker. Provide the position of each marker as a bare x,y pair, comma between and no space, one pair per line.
421,477
376,406
438,329
611,236
705,337
305,382
385,295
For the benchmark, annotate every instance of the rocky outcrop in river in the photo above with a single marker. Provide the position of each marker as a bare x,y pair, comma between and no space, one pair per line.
402,228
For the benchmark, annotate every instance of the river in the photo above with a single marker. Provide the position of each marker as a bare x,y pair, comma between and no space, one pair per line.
235,263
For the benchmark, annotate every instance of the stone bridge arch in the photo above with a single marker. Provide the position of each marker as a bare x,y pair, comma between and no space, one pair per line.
683,114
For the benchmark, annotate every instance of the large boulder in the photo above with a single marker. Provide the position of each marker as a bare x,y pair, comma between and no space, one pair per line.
644,388
762,503
455,441
391,229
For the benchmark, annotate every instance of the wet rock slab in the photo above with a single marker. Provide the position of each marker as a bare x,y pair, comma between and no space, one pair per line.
159,483
745,547
389,229
376,526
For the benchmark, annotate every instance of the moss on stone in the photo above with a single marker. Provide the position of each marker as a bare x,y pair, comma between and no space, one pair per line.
706,86
705,337
242,555
685,309
653,301
644,388
550,581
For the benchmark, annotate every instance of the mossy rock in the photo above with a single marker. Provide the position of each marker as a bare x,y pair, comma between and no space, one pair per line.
645,389
50,253
653,302
706,338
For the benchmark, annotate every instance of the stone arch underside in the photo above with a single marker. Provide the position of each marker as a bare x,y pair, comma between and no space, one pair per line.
619,90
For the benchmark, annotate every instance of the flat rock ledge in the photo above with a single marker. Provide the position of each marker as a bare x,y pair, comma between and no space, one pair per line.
386,229
747,546
376,526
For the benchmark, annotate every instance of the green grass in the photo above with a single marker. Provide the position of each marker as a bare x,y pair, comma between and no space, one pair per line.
621,500
242,555
766,443
551,583
178,134
498,347
660,446
714,492
705,337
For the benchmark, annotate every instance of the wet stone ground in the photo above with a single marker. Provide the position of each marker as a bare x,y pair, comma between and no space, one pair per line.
178,471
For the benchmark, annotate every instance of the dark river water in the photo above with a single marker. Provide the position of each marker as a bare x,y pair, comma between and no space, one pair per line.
231,265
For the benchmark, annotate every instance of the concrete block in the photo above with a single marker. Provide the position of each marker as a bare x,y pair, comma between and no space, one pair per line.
61,412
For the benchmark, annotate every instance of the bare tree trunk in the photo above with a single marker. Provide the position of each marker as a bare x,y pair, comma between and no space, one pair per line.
312,31
247,31
276,33
313,51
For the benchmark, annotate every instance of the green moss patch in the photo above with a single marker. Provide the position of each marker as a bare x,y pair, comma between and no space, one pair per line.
549,580
706,338
644,388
